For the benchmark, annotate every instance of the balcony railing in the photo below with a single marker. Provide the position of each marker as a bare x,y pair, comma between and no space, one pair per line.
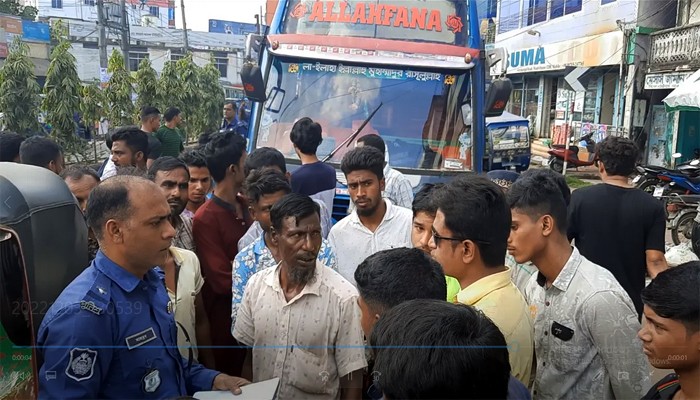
675,47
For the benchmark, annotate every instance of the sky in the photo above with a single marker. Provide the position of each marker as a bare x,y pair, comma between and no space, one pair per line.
199,12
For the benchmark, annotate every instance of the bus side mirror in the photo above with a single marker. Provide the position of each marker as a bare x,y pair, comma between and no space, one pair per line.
253,85
497,97
253,46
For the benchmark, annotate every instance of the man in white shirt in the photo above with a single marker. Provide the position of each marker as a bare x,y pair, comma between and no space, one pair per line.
301,318
375,224
397,187
586,326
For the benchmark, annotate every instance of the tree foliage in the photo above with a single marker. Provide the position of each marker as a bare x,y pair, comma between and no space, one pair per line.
169,88
92,103
188,73
146,85
13,7
213,98
118,92
196,91
62,95
19,91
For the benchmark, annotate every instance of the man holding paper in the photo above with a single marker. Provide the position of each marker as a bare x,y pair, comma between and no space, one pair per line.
302,318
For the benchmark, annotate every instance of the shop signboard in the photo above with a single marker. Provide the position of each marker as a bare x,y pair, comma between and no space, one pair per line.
665,81
589,51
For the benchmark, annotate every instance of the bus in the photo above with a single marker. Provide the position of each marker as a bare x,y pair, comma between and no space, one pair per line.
412,72
233,92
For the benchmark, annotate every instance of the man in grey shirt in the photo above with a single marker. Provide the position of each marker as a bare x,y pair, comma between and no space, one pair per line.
586,325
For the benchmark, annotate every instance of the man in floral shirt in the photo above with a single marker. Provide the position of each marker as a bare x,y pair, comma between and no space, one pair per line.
264,188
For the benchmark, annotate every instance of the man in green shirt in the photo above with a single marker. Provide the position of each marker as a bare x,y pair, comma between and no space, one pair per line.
169,135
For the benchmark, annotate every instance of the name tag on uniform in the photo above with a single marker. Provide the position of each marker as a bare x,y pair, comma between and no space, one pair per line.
141,338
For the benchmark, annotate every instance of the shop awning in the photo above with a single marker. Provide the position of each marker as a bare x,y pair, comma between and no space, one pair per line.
686,97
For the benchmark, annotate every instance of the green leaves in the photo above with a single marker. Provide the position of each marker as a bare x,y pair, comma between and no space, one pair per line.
62,94
118,93
196,91
146,85
19,92
13,7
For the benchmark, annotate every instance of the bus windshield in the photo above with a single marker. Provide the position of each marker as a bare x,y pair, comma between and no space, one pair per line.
424,118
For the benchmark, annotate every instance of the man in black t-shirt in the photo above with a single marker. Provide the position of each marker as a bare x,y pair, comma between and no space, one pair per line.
150,122
617,226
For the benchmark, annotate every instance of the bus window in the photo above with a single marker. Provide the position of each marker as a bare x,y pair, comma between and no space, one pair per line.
420,119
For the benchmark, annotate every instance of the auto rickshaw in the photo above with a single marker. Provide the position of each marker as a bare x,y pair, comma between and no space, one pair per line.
43,247
507,143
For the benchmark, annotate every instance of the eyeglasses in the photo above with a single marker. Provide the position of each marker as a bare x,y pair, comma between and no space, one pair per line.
437,238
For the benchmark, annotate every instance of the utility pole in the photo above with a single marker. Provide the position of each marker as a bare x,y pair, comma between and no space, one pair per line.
125,34
102,28
184,26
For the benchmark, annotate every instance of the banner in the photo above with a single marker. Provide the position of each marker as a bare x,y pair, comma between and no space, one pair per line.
36,31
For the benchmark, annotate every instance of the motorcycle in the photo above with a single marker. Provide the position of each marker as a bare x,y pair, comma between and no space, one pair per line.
683,222
558,153
648,175
686,180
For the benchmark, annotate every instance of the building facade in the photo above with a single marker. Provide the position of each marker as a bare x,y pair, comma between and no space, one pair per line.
35,34
159,45
547,39
674,54
156,13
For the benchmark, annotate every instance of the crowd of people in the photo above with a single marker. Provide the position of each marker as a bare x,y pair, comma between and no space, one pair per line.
213,268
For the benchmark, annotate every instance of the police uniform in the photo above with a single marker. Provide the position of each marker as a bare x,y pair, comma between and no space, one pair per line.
112,335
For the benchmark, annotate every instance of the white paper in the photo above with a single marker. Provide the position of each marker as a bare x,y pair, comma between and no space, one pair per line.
265,390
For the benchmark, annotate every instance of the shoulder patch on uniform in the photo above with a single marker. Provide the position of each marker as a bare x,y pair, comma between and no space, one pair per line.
90,306
81,365
97,298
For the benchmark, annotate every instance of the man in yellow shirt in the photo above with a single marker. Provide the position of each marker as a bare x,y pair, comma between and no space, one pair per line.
469,238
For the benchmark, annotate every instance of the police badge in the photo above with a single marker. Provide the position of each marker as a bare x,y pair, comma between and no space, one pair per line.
151,381
81,364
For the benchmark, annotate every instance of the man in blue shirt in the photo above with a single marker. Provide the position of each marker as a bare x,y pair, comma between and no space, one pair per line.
111,332
232,120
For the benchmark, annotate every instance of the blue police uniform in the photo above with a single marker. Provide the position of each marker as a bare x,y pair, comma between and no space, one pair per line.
112,335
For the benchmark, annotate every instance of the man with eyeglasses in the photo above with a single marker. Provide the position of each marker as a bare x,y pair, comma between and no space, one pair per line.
469,240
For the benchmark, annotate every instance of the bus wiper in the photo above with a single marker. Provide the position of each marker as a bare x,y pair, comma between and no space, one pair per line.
350,138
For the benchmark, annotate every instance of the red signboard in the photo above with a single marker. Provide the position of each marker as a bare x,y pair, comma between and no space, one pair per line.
379,14
11,24
150,3
3,50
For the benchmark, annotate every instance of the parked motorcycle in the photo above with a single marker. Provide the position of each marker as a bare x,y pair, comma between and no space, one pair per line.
685,180
684,221
558,153
648,177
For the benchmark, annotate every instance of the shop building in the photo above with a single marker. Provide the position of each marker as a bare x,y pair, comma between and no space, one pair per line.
674,56
548,39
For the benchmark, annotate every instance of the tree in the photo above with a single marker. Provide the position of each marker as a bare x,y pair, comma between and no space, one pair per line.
13,7
169,89
92,103
190,95
118,92
146,85
62,96
212,98
19,92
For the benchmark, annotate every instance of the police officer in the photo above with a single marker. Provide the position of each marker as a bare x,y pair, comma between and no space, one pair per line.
111,332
